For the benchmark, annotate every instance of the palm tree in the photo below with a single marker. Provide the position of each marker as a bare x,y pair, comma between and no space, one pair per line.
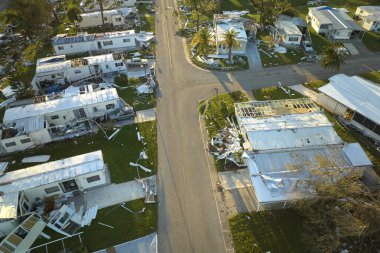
230,38
202,39
102,5
332,58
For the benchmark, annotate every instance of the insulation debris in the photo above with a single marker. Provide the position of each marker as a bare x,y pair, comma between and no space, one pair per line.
140,166
226,145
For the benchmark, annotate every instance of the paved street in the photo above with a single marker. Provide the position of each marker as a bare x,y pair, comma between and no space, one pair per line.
188,218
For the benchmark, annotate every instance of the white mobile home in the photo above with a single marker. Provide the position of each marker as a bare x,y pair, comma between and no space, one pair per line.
54,73
108,5
369,17
224,23
334,23
116,17
288,138
355,99
65,44
43,190
287,33
30,125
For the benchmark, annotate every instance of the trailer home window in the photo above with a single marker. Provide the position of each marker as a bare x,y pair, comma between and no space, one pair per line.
60,48
10,144
110,106
93,179
126,40
52,189
23,141
54,117
118,64
108,43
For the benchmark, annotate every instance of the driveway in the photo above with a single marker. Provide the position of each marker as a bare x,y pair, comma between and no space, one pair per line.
253,56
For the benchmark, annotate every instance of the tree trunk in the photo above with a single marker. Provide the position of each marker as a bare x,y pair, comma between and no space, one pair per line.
230,55
198,17
101,13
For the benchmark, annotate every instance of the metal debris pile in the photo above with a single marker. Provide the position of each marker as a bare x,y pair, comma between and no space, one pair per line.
226,145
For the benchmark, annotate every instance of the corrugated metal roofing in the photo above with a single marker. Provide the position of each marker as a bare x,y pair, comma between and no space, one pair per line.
336,17
15,181
56,105
355,93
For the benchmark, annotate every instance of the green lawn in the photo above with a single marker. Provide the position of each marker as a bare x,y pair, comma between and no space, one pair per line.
318,41
231,5
117,153
373,76
372,41
315,84
149,23
270,231
127,227
270,58
275,93
217,108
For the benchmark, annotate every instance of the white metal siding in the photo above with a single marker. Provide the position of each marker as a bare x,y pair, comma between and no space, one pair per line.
331,105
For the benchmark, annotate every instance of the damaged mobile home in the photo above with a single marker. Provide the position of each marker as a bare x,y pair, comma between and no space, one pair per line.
54,73
65,44
115,17
287,140
65,116
49,194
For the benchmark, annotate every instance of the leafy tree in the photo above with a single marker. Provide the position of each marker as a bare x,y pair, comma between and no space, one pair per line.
344,213
74,14
332,58
30,16
201,8
230,38
202,40
270,9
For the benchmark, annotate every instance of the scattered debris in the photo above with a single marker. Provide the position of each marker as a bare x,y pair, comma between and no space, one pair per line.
143,155
226,145
140,166
105,225
114,134
36,159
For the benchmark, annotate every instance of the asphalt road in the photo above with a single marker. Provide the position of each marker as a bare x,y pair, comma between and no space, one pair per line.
188,219
3,4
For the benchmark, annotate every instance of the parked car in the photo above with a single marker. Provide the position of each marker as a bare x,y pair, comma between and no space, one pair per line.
307,46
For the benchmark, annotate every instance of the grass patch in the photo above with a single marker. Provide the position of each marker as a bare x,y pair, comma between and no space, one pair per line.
373,76
318,41
231,5
138,101
270,58
275,93
372,41
149,23
127,227
315,84
218,108
117,153
274,231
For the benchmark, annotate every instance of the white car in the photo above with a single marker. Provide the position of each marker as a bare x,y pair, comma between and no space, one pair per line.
307,46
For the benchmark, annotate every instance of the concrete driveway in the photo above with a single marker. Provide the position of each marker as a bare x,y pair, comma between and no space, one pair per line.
253,56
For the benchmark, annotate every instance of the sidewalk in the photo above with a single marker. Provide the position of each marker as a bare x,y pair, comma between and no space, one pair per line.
141,116
305,91
114,194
